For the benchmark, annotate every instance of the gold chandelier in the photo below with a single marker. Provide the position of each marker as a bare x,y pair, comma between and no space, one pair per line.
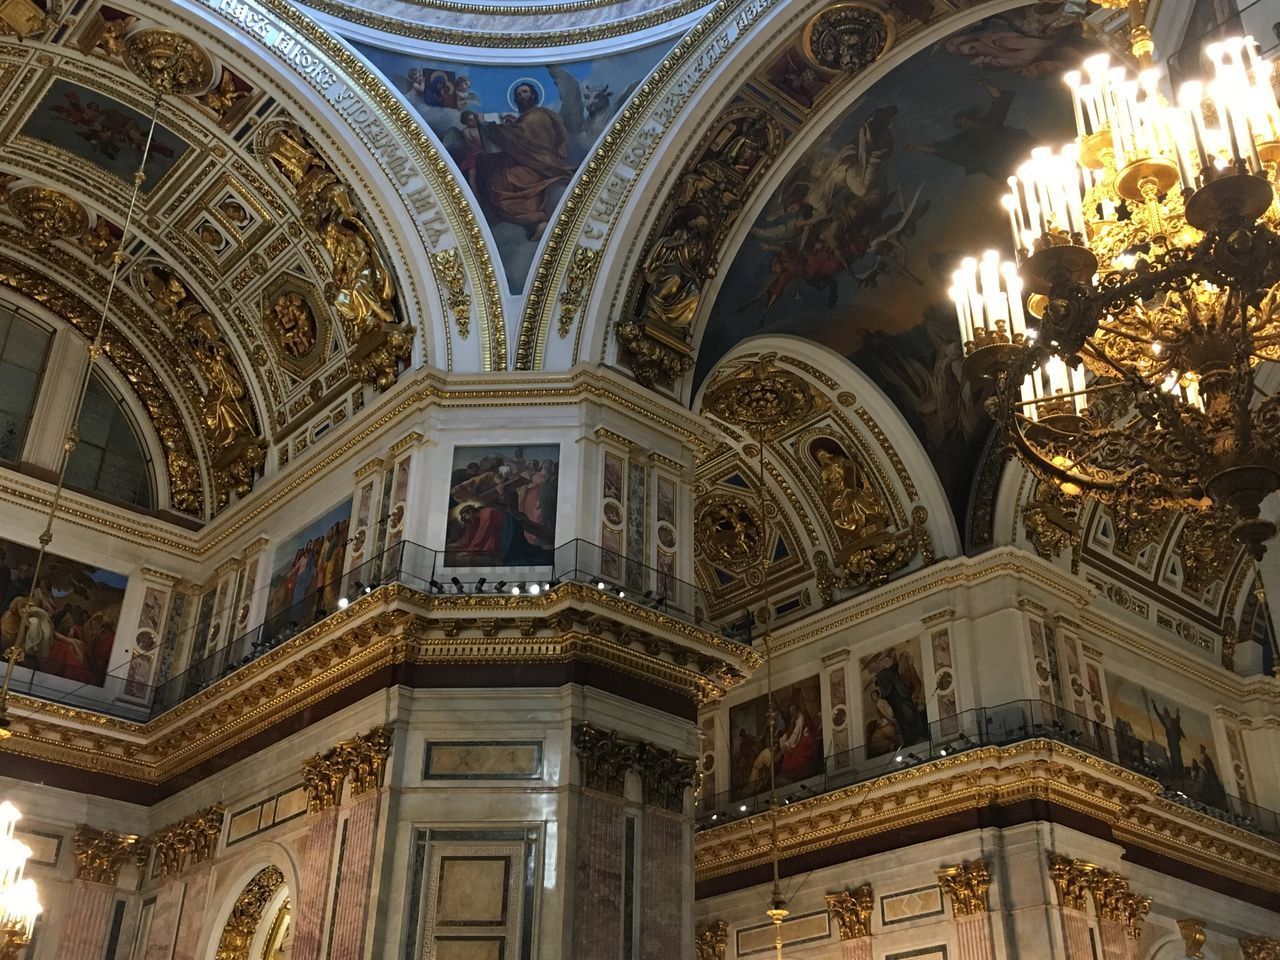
19,900
1129,342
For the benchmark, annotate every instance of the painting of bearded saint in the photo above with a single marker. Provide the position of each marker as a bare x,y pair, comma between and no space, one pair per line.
793,749
856,246
893,699
517,133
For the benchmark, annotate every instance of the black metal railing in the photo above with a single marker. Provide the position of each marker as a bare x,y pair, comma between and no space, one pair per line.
1012,722
435,572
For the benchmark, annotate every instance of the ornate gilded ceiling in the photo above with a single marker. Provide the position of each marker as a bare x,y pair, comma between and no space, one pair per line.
256,298
840,511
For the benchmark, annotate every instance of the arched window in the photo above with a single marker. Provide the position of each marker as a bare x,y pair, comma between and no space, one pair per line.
24,348
110,458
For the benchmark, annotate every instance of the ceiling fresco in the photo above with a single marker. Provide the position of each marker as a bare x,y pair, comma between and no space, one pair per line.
517,134
855,247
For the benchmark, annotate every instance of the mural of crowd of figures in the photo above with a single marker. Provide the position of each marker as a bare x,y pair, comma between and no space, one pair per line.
1173,741
77,606
518,134
308,569
894,707
856,246
502,506
792,749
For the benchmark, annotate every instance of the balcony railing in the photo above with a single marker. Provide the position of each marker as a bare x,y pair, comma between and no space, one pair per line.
1005,724
436,572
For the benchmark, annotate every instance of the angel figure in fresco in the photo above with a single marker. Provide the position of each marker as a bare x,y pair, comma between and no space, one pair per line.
833,213
1044,38
983,142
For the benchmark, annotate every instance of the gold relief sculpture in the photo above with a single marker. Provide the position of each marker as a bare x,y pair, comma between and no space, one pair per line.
242,924
48,214
100,241
852,502
1071,877
167,61
851,910
582,269
294,323
764,400
1260,948
111,35
192,840
680,256
453,278
1112,898
101,853
710,940
22,18
966,885
1135,526
1193,937
1051,522
322,778
1206,549
224,96
730,532
847,37
361,290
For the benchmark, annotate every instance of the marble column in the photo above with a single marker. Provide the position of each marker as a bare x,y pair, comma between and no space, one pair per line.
1075,931
351,913
195,898
859,949
966,886
973,937
597,915
313,885
662,889
1115,944
88,917
165,917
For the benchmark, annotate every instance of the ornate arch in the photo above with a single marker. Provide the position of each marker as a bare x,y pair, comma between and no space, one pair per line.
241,926
850,499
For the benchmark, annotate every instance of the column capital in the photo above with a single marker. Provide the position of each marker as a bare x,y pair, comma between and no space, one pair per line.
363,758
966,885
710,940
191,840
1071,877
851,910
1260,948
101,853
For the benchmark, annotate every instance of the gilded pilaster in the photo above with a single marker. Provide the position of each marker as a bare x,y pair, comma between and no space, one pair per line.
966,886
851,910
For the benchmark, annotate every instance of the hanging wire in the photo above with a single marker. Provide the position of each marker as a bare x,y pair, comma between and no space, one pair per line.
32,610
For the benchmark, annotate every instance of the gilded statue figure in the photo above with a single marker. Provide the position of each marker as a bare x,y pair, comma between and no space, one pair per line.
225,415
675,270
853,503
296,325
361,291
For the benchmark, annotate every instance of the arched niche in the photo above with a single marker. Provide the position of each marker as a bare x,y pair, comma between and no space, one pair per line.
850,499
260,918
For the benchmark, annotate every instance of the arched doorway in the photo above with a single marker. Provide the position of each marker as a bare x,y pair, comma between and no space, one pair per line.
260,924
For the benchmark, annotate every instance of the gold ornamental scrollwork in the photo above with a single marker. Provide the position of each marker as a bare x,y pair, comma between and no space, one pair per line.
763,400
362,759
847,37
453,278
1193,936
101,853
710,940
851,910
582,269
1071,878
168,62
966,886
48,214
242,924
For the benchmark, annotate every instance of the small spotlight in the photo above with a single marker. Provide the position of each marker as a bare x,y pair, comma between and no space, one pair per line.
943,751
342,603
515,591
435,585
535,589
898,758
361,588
457,584
480,585
715,817
621,593
546,586
368,589
648,594
743,808
599,584
501,585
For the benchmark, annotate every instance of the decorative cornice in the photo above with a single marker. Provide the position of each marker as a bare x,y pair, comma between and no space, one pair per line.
368,468
101,853
966,885
938,616
851,910
407,442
